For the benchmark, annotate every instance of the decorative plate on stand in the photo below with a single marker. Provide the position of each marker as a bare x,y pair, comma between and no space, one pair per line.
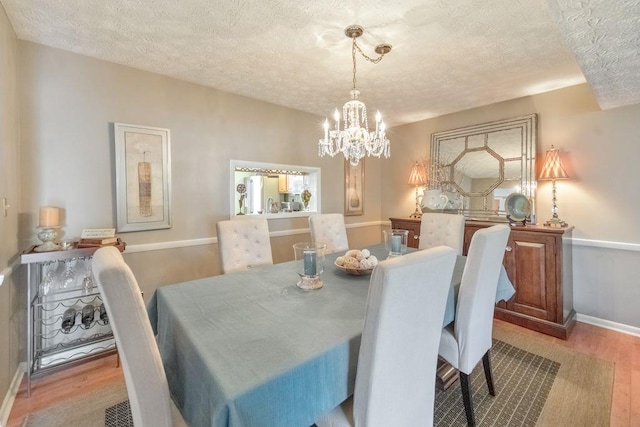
518,208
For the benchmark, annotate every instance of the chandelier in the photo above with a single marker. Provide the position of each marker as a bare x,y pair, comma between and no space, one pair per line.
354,140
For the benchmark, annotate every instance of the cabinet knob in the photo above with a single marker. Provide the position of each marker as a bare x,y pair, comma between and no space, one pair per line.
416,237
508,249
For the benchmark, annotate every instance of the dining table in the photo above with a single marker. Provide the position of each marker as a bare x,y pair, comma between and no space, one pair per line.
252,349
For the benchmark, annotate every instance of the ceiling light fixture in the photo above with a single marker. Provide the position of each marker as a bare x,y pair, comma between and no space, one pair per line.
354,140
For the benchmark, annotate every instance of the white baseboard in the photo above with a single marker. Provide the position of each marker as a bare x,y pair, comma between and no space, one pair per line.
10,397
608,324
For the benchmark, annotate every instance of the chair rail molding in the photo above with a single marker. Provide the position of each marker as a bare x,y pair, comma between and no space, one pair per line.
146,247
6,272
607,244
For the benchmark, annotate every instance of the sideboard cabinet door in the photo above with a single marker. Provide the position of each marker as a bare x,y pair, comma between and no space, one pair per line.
538,263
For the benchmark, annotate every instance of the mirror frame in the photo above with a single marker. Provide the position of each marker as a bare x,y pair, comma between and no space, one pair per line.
527,127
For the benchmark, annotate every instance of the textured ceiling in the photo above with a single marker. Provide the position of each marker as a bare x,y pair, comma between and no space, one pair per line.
447,55
605,38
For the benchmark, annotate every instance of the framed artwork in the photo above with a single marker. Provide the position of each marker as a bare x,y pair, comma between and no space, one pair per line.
354,188
143,177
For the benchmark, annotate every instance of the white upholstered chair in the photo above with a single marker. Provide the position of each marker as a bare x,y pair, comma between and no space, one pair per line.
468,339
243,243
144,374
441,229
395,381
329,229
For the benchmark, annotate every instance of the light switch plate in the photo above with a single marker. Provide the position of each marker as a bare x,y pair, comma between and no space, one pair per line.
5,207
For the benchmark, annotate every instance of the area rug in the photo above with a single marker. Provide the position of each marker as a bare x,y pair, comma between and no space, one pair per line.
582,389
523,381
88,410
538,383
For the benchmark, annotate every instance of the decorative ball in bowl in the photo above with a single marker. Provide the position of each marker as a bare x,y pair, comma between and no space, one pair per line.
356,262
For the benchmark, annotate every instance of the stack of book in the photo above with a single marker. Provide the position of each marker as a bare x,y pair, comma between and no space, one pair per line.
97,242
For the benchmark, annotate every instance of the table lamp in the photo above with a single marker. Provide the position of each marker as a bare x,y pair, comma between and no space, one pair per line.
417,179
49,222
553,170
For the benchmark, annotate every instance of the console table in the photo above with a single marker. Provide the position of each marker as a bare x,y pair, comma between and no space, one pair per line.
538,261
66,321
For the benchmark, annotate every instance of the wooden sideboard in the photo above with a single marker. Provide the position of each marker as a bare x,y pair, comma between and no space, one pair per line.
538,263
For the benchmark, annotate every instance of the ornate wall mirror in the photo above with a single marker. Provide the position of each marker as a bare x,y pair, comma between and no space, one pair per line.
477,167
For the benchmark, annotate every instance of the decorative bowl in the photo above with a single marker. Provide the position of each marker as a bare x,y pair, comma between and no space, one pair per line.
355,271
518,206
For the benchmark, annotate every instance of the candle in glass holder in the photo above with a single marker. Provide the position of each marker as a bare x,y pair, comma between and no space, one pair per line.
49,217
396,243
310,266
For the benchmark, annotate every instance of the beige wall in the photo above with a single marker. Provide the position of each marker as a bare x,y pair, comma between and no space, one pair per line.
600,151
10,314
69,104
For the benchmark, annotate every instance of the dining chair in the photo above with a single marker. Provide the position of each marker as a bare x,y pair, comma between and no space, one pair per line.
468,338
441,229
329,229
144,374
395,380
243,243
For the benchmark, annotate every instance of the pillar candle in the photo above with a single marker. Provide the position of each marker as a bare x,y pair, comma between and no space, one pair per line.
396,243
310,263
49,216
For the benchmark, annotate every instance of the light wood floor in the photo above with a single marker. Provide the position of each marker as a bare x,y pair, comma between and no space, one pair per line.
623,350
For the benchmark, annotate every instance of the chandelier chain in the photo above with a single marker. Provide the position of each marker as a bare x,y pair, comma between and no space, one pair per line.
368,58
355,47
353,57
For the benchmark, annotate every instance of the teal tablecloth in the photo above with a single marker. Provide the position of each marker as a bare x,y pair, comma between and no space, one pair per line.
251,349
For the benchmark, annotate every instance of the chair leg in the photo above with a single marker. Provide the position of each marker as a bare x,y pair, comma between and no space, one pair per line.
486,362
466,398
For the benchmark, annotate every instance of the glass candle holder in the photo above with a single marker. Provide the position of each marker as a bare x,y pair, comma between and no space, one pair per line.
309,264
395,241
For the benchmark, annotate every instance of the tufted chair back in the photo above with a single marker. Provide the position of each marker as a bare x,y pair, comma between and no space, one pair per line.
243,243
329,229
441,229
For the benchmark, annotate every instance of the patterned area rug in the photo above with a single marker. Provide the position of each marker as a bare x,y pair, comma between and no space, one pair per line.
524,367
118,415
523,381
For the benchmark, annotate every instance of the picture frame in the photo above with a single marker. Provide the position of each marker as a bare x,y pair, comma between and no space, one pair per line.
354,188
143,177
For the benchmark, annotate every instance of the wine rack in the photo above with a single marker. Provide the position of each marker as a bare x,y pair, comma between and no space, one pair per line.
66,320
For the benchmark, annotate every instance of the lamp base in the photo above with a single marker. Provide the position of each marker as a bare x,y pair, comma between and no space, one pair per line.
418,212
555,223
